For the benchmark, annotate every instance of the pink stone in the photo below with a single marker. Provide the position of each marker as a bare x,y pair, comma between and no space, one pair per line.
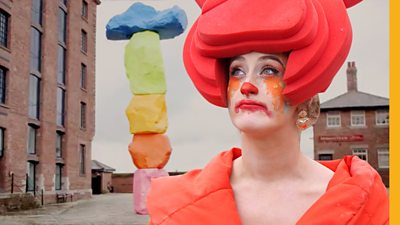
141,185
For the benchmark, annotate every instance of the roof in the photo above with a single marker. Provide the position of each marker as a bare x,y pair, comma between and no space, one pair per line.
101,167
355,99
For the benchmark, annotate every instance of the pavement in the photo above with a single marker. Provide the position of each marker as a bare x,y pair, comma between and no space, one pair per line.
106,209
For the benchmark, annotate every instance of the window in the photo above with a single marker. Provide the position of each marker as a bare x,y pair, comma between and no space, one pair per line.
4,28
34,93
82,152
61,65
84,41
59,139
32,130
83,115
382,117
383,157
60,106
325,156
3,73
37,12
85,9
357,118
30,176
62,28
58,180
1,141
36,43
361,153
83,75
333,119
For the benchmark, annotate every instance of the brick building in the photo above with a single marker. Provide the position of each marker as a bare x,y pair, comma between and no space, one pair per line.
47,96
354,123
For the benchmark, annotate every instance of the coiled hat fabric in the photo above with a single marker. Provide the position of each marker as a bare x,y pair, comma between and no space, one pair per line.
316,33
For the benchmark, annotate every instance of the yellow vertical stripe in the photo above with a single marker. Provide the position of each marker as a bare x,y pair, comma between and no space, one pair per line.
394,113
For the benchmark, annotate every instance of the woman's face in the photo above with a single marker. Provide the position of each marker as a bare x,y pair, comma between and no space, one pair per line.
255,99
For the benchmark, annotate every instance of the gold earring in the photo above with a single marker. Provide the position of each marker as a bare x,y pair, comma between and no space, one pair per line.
303,122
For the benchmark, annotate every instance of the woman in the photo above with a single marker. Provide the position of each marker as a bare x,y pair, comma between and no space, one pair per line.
266,60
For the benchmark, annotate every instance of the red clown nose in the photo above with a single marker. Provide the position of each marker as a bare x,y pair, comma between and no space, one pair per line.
248,88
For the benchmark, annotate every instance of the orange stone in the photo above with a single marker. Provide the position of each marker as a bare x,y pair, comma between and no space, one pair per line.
150,150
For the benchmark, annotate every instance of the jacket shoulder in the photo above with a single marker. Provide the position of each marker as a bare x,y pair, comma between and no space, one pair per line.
170,195
374,207
355,195
377,206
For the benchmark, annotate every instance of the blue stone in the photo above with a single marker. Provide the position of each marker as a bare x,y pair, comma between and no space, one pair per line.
139,17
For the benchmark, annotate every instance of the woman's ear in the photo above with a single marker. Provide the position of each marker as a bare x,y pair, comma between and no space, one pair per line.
311,108
314,109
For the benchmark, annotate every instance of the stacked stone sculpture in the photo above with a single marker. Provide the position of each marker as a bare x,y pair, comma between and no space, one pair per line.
150,148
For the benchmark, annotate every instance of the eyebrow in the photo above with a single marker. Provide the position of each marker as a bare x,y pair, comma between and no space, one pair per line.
274,57
239,58
262,58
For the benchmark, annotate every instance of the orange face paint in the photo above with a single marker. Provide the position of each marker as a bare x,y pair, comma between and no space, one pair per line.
275,87
233,86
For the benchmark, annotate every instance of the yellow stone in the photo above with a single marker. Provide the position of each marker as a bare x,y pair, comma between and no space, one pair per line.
147,114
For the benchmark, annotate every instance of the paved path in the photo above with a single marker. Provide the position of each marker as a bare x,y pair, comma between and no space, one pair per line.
108,209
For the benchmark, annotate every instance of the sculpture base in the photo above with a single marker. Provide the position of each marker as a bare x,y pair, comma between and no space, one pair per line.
141,185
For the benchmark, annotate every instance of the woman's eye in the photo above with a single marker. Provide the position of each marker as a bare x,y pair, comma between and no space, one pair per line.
270,71
236,72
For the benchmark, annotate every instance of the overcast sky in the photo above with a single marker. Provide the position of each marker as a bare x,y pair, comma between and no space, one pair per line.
198,130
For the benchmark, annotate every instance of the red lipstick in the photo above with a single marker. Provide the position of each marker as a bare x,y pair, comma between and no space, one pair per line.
251,105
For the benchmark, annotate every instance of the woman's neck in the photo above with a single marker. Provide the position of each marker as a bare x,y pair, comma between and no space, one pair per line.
270,157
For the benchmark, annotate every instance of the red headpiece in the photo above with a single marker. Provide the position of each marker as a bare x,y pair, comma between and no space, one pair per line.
317,33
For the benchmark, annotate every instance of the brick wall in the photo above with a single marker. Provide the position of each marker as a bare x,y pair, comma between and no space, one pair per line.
374,136
122,182
14,113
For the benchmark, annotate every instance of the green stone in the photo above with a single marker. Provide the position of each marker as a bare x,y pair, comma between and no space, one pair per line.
144,64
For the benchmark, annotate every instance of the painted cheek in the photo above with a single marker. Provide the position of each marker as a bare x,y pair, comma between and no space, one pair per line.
275,87
233,86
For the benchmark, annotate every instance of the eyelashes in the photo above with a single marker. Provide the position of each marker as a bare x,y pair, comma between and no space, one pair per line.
236,71
264,65
269,70
265,71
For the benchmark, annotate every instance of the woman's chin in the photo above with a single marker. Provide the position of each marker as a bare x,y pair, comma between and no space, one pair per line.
254,126
258,123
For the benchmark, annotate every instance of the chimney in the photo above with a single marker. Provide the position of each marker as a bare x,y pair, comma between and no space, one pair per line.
351,76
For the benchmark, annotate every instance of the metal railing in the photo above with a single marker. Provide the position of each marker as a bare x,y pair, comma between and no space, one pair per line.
15,184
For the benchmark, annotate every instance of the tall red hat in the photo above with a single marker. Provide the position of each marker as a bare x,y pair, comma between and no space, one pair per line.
317,33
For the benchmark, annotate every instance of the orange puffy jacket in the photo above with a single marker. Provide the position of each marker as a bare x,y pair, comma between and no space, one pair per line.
355,196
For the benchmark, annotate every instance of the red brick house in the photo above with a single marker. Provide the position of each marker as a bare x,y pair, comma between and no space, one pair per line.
354,123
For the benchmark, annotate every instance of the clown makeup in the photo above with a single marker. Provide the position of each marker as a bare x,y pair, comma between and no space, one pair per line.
256,83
